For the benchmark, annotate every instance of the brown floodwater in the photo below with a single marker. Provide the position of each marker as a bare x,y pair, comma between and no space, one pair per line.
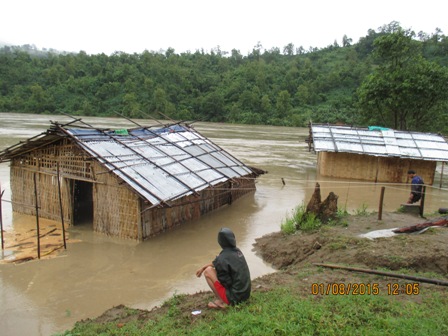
96,272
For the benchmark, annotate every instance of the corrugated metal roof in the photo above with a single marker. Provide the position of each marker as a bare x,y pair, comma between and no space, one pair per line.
161,164
379,142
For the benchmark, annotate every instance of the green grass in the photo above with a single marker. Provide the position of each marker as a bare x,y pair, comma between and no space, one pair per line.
300,220
281,312
308,222
288,226
362,210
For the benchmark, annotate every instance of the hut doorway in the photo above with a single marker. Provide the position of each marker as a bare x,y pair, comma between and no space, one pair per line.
82,203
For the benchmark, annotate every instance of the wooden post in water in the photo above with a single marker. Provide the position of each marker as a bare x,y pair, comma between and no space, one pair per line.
310,136
422,202
380,209
1,218
441,174
61,207
37,217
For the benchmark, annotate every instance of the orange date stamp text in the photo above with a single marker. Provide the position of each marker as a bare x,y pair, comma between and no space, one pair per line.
364,288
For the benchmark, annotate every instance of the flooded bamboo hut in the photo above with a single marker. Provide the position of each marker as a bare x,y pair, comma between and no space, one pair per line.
130,183
375,153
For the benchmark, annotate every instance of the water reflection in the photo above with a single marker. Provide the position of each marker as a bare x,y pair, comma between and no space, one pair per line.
47,296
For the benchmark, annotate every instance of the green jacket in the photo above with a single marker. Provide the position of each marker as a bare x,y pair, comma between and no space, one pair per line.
232,269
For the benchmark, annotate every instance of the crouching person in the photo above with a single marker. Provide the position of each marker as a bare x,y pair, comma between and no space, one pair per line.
228,275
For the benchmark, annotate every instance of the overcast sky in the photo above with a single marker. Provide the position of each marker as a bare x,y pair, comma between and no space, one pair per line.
106,26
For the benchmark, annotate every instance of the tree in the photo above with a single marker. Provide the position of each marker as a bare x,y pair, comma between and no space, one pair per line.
406,91
346,41
272,86
302,94
283,103
212,107
288,49
256,51
265,105
39,101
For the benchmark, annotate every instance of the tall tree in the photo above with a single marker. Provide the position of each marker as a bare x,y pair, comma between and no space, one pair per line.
405,91
346,41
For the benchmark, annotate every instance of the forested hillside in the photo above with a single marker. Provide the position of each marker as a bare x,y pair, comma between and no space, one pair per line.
348,83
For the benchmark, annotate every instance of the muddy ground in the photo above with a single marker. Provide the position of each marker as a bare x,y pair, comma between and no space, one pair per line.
422,255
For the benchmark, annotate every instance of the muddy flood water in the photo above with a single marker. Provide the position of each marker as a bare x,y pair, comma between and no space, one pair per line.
96,272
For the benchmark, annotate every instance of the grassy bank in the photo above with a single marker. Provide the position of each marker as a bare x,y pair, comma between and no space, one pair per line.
284,310
303,299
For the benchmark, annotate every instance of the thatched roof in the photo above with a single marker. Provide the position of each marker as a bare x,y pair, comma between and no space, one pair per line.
160,163
379,141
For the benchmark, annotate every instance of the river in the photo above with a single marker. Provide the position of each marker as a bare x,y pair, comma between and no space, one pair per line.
46,296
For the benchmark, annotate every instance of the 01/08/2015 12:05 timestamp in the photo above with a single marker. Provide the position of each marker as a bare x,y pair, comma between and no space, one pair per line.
364,289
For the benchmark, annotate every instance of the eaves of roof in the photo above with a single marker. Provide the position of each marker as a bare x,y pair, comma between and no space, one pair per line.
379,142
160,164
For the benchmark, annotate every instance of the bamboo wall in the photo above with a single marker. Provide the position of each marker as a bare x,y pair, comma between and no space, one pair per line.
23,195
43,163
115,207
157,220
373,168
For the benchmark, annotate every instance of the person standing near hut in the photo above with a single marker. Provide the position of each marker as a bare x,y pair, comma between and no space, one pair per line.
228,275
416,187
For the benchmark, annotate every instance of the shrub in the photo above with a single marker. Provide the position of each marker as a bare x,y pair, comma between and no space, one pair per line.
300,220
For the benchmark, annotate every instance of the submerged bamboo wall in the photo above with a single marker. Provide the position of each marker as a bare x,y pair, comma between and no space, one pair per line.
373,168
157,220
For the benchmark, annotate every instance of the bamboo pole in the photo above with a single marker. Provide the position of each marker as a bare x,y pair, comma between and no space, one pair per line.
37,216
393,275
310,136
377,169
441,174
422,202
61,207
1,218
380,210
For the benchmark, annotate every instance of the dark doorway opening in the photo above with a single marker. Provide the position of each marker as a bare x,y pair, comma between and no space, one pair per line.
82,203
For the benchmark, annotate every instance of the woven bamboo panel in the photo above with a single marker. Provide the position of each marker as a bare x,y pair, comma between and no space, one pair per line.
157,220
22,190
72,161
24,197
242,186
372,168
116,208
44,163
75,162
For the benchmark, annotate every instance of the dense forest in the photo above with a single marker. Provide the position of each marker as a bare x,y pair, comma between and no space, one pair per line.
392,77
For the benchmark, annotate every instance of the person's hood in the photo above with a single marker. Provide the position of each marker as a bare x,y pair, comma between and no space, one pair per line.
226,238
